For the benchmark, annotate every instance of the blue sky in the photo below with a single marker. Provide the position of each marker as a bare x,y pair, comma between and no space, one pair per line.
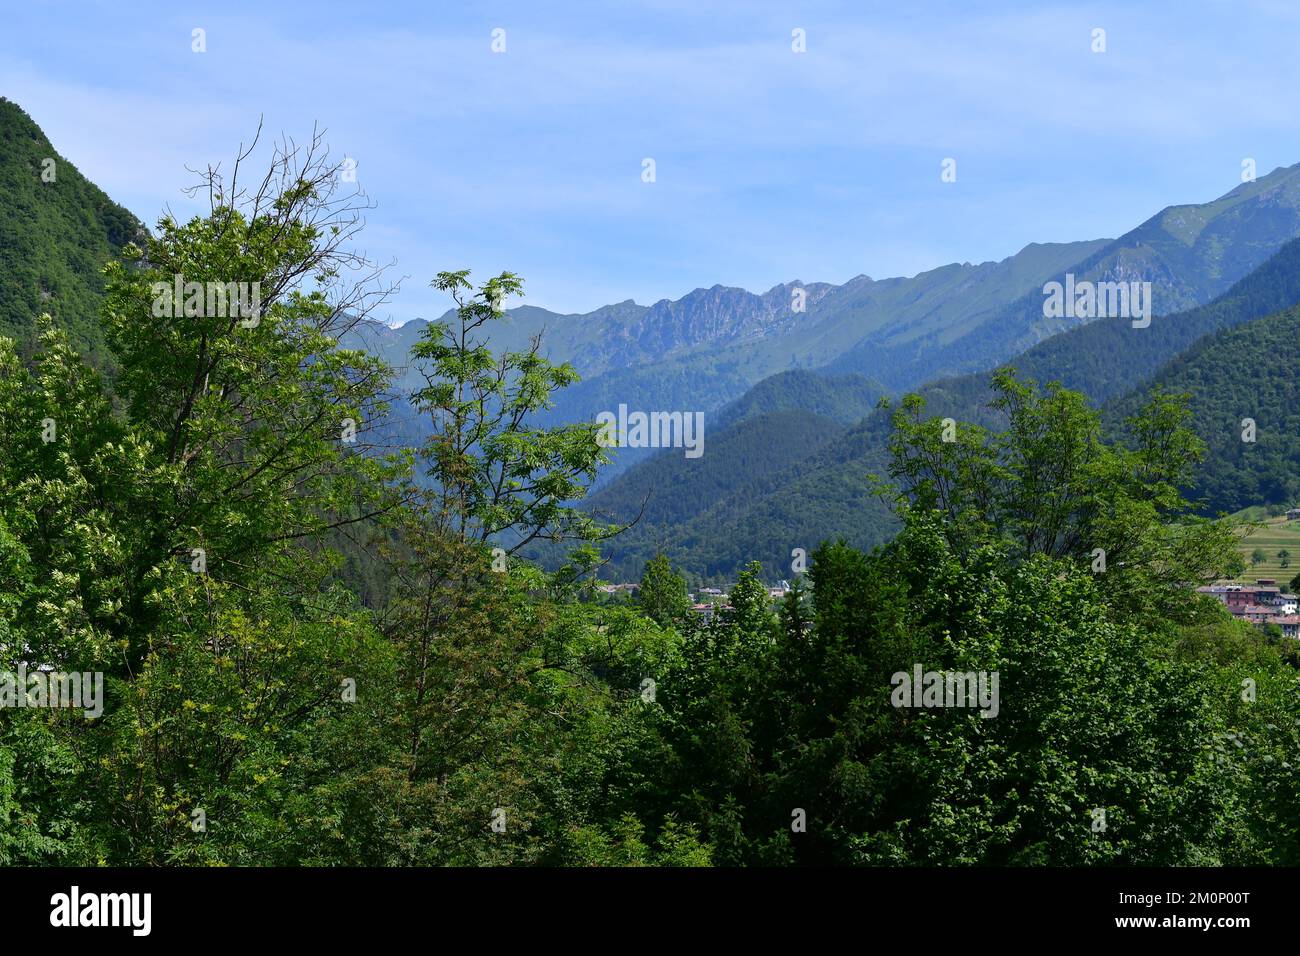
770,165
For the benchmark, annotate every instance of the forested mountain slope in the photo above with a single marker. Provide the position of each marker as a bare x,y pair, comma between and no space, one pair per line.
825,494
57,231
1243,383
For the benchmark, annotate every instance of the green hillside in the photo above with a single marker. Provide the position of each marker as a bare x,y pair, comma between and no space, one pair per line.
669,491
1248,372
843,398
768,433
55,236
1276,535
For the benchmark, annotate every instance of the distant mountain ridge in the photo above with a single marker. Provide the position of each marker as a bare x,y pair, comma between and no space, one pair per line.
1190,254
824,495
708,348
749,334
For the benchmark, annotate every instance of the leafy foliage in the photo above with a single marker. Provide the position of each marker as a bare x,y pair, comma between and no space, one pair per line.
312,658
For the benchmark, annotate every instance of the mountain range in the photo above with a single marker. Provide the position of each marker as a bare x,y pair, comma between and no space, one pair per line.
799,500
789,379
708,348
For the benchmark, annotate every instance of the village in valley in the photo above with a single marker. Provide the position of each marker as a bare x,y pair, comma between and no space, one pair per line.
705,601
1259,597
1260,603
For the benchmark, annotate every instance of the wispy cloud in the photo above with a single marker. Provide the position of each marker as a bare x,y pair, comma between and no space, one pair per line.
770,164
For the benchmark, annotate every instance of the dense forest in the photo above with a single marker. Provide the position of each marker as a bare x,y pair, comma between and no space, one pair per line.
1241,386
321,650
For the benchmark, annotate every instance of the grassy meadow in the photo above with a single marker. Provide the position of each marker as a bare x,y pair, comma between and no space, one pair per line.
1276,534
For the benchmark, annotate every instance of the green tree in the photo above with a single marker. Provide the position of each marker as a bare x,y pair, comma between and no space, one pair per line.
256,424
494,483
1048,484
663,596
493,474
171,535
497,670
